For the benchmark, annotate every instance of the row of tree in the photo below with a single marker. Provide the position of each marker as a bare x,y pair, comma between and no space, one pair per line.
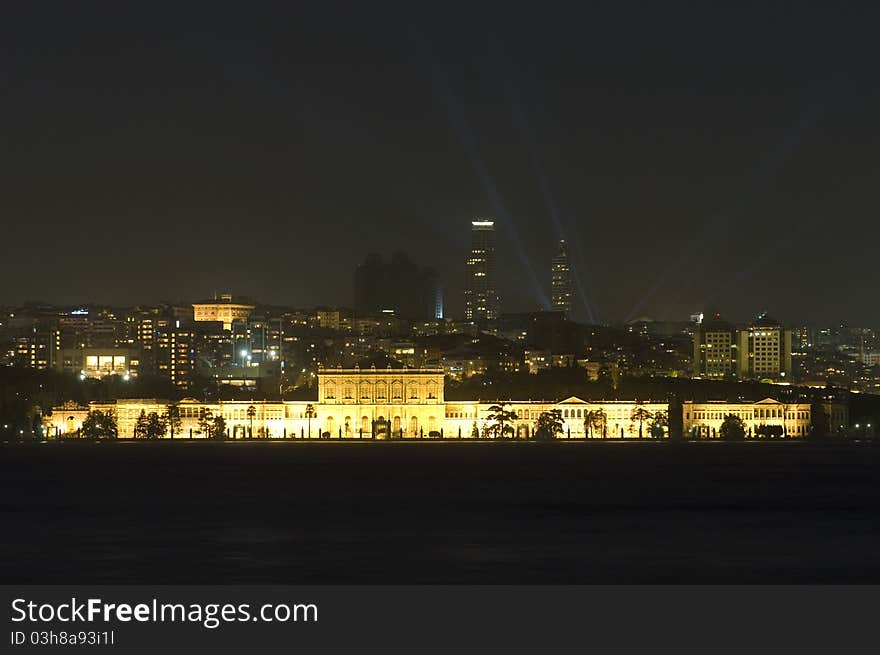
99,424
549,424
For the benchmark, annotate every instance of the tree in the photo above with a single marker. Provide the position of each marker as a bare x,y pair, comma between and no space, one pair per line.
172,417
100,425
150,426
599,421
732,429
157,426
310,414
206,422
475,431
820,425
640,415
497,418
548,425
218,427
140,426
657,425
590,422
252,412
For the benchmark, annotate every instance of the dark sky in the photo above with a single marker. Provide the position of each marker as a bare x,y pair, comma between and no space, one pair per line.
692,157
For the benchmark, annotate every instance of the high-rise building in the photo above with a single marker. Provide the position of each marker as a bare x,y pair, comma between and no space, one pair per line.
715,348
174,351
399,287
761,351
560,280
481,295
764,351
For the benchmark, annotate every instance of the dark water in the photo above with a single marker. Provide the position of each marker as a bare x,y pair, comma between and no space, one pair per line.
447,513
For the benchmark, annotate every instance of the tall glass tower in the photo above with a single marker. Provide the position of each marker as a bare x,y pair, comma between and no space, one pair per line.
481,295
560,280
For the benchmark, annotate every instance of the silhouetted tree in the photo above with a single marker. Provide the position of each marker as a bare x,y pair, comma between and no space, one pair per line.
218,427
100,425
172,417
252,412
732,429
497,417
820,425
640,415
140,426
549,425
657,425
599,421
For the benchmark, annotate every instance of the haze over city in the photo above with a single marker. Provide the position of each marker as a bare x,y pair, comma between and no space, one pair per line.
148,159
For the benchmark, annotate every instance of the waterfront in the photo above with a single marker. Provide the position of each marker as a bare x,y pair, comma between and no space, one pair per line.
440,513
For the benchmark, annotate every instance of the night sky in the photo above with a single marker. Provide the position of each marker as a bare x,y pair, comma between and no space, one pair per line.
693,158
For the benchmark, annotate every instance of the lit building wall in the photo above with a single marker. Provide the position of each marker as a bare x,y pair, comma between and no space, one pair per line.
764,353
409,404
715,350
174,352
705,419
224,311
99,362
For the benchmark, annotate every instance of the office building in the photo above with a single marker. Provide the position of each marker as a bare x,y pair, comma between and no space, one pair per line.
481,294
560,280
398,287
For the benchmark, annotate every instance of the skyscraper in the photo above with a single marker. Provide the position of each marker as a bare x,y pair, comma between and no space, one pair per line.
399,285
560,280
481,295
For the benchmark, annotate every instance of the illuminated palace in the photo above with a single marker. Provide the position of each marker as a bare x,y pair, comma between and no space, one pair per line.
393,401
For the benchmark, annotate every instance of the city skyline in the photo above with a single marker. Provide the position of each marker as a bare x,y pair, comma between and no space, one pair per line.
325,305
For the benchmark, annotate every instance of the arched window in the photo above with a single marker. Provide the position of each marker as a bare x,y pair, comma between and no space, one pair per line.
347,428
396,391
330,391
365,390
414,426
432,424
329,425
365,424
432,390
395,424
381,391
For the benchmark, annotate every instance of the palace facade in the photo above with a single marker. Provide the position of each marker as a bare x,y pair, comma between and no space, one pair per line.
407,403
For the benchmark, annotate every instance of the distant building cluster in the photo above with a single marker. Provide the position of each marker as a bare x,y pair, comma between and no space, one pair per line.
398,311
760,350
